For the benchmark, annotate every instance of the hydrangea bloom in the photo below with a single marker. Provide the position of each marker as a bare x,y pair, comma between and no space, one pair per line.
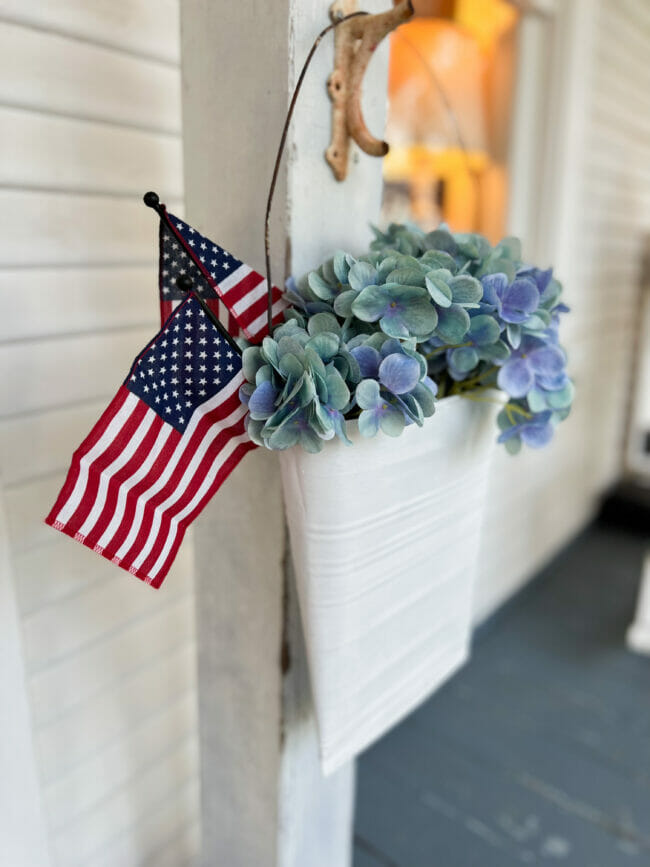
374,340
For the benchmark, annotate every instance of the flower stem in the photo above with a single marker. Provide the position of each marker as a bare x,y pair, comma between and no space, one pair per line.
444,348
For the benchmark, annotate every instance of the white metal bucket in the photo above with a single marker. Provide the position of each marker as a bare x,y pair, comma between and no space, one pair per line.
384,538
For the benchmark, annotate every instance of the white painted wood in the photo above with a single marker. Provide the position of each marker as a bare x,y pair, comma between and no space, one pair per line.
78,735
85,156
77,842
23,836
39,302
637,457
638,635
40,381
154,824
95,613
77,677
62,229
58,75
144,28
88,783
88,124
385,537
264,800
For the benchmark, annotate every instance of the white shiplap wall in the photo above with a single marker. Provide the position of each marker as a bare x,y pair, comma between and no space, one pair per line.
89,120
596,224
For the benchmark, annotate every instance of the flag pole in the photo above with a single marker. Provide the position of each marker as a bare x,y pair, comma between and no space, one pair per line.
185,283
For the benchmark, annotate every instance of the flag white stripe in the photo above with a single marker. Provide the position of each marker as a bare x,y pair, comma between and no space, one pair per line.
115,425
143,469
113,468
162,480
258,324
218,462
188,476
234,279
250,298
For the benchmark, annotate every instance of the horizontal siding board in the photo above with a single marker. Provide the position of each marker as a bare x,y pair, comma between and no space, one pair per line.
46,152
60,229
91,781
153,825
181,850
78,841
78,735
78,677
42,443
139,26
56,372
27,507
76,624
48,574
57,75
43,302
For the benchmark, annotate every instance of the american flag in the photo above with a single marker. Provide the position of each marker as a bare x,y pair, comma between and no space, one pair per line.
235,293
169,439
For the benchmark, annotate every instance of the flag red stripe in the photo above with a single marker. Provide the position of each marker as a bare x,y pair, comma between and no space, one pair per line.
211,455
189,449
235,293
122,476
240,452
157,469
103,461
90,442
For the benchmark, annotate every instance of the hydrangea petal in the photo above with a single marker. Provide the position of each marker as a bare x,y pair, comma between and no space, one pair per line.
323,322
438,289
519,300
493,287
325,344
368,359
465,289
367,393
536,434
453,324
463,359
516,378
360,275
368,423
392,421
399,373
484,329
547,360
371,303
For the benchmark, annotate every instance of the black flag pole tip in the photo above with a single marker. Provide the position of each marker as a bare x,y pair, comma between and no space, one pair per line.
152,200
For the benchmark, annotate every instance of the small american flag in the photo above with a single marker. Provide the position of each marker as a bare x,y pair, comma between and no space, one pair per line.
169,439
234,292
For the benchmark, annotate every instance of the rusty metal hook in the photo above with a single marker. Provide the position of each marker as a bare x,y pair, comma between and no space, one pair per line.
355,41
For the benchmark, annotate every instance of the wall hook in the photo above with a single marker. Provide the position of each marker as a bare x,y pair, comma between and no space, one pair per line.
354,42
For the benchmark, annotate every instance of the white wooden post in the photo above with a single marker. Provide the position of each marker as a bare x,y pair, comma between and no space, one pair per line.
265,802
23,834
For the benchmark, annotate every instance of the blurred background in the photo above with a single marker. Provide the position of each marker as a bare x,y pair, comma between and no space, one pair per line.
529,118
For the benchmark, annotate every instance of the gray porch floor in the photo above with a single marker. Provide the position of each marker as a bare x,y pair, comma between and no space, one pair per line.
538,752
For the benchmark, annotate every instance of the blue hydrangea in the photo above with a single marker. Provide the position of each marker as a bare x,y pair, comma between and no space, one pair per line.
374,340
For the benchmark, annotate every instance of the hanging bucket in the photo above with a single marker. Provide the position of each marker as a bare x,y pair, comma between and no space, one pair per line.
385,538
